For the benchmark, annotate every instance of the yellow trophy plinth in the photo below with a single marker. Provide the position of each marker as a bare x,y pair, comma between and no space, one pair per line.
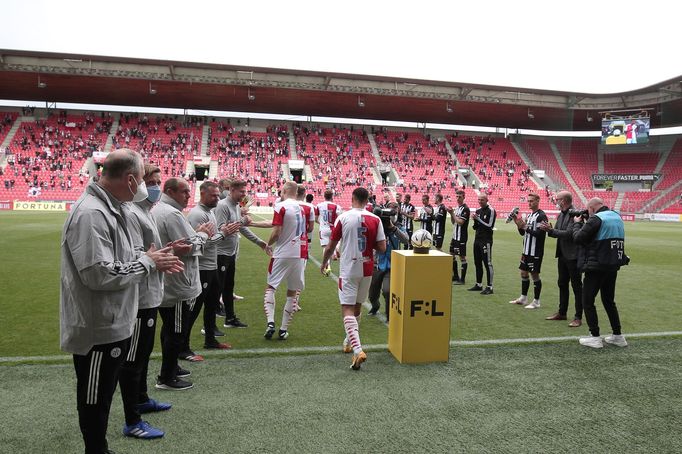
421,302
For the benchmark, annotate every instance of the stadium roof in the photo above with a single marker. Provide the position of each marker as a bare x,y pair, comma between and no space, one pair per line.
90,79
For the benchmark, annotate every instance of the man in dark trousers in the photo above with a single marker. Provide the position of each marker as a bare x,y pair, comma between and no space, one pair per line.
100,273
484,222
602,238
567,263
460,233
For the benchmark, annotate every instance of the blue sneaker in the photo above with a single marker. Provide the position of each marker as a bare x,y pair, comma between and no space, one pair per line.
152,406
142,430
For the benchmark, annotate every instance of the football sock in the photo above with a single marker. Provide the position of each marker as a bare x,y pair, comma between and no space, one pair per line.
464,269
288,312
537,288
269,304
455,272
525,285
350,323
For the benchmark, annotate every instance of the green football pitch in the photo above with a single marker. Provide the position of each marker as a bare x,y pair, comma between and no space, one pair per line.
514,382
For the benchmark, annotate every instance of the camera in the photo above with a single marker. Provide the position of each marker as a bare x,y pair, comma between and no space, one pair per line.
386,215
582,213
512,215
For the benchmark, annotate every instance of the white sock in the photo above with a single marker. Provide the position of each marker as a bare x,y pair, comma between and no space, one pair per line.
350,323
288,312
269,305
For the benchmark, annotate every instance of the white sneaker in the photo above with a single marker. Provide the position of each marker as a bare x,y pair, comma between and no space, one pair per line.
534,305
591,341
522,300
616,339
237,297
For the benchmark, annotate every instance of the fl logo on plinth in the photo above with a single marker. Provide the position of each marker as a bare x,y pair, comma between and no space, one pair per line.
421,306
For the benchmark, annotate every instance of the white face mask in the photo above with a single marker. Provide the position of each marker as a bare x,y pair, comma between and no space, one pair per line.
141,193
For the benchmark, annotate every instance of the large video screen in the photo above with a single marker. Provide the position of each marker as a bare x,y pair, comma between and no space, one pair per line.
625,131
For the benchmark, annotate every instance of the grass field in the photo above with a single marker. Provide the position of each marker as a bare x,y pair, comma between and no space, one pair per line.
547,396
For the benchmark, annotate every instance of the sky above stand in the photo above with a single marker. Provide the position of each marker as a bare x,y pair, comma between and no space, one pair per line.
579,46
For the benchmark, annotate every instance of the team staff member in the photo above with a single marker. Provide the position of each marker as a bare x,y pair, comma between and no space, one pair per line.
460,234
533,251
440,216
567,262
362,233
603,240
202,213
484,222
227,212
408,212
133,378
100,273
181,290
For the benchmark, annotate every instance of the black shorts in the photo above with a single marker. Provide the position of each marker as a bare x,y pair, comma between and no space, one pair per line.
458,248
530,263
438,241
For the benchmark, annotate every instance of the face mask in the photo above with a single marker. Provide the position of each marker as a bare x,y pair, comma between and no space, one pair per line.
141,193
154,193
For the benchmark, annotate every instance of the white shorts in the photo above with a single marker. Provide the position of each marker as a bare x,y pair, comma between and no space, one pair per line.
291,269
325,235
354,290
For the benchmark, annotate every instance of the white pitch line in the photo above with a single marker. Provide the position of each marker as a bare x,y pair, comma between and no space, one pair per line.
337,348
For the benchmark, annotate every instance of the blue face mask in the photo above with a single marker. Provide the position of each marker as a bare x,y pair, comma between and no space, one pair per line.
154,193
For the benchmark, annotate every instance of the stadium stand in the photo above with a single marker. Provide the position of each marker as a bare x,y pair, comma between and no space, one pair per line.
580,158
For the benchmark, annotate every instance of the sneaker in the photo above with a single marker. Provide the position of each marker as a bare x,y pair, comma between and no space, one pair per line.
346,347
283,334
237,297
152,406
487,291
591,341
218,346
269,330
182,373
173,385
143,431
220,312
533,305
459,282
216,333
616,339
191,357
374,310
475,288
234,323
358,360
521,300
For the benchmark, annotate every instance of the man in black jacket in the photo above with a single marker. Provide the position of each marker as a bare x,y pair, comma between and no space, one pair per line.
567,263
602,238
484,223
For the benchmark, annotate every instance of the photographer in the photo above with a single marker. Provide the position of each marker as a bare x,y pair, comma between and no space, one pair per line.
567,263
381,278
602,238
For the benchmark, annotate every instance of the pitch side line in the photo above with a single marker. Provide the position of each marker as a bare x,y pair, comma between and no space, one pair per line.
337,348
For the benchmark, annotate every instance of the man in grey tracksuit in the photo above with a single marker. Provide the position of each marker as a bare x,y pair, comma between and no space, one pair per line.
180,290
100,273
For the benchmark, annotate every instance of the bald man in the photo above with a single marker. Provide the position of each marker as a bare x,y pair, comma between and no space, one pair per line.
567,261
602,237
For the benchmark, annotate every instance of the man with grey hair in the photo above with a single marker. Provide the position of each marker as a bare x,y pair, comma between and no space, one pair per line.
100,273
567,260
602,238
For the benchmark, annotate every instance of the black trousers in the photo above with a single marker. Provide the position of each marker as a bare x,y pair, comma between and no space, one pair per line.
210,293
483,258
409,239
226,271
133,378
603,282
96,378
380,285
175,321
568,272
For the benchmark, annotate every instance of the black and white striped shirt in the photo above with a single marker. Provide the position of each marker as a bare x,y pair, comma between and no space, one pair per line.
461,232
533,237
